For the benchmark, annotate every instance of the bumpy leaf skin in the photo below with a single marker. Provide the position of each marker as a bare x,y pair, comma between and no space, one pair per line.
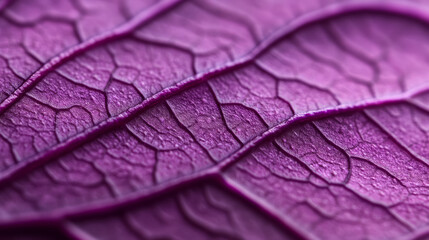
214,120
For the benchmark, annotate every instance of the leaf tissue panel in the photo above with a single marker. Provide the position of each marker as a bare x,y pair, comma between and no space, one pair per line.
214,119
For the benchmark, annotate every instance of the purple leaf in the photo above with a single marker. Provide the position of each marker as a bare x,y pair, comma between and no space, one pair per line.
214,119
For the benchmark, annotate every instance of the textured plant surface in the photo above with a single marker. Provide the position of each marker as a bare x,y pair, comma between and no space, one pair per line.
214,119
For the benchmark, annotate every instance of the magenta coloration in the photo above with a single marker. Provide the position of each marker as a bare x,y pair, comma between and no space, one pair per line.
214,119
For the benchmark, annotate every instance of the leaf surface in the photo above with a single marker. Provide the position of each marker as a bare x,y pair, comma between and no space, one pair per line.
214,120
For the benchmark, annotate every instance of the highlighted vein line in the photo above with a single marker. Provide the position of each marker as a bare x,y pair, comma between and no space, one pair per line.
211,173
143,17
89,134
268,210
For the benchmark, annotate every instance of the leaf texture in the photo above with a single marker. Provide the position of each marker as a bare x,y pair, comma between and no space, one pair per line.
214,119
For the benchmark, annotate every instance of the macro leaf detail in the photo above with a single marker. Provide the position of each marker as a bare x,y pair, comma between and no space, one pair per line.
214,119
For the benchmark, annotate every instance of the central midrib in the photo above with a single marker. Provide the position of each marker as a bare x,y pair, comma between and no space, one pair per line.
212,172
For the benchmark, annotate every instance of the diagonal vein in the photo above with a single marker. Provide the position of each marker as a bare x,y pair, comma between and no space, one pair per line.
143,17
268,210
207,174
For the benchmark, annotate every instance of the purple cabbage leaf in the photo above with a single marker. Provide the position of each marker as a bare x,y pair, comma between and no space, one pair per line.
214,119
